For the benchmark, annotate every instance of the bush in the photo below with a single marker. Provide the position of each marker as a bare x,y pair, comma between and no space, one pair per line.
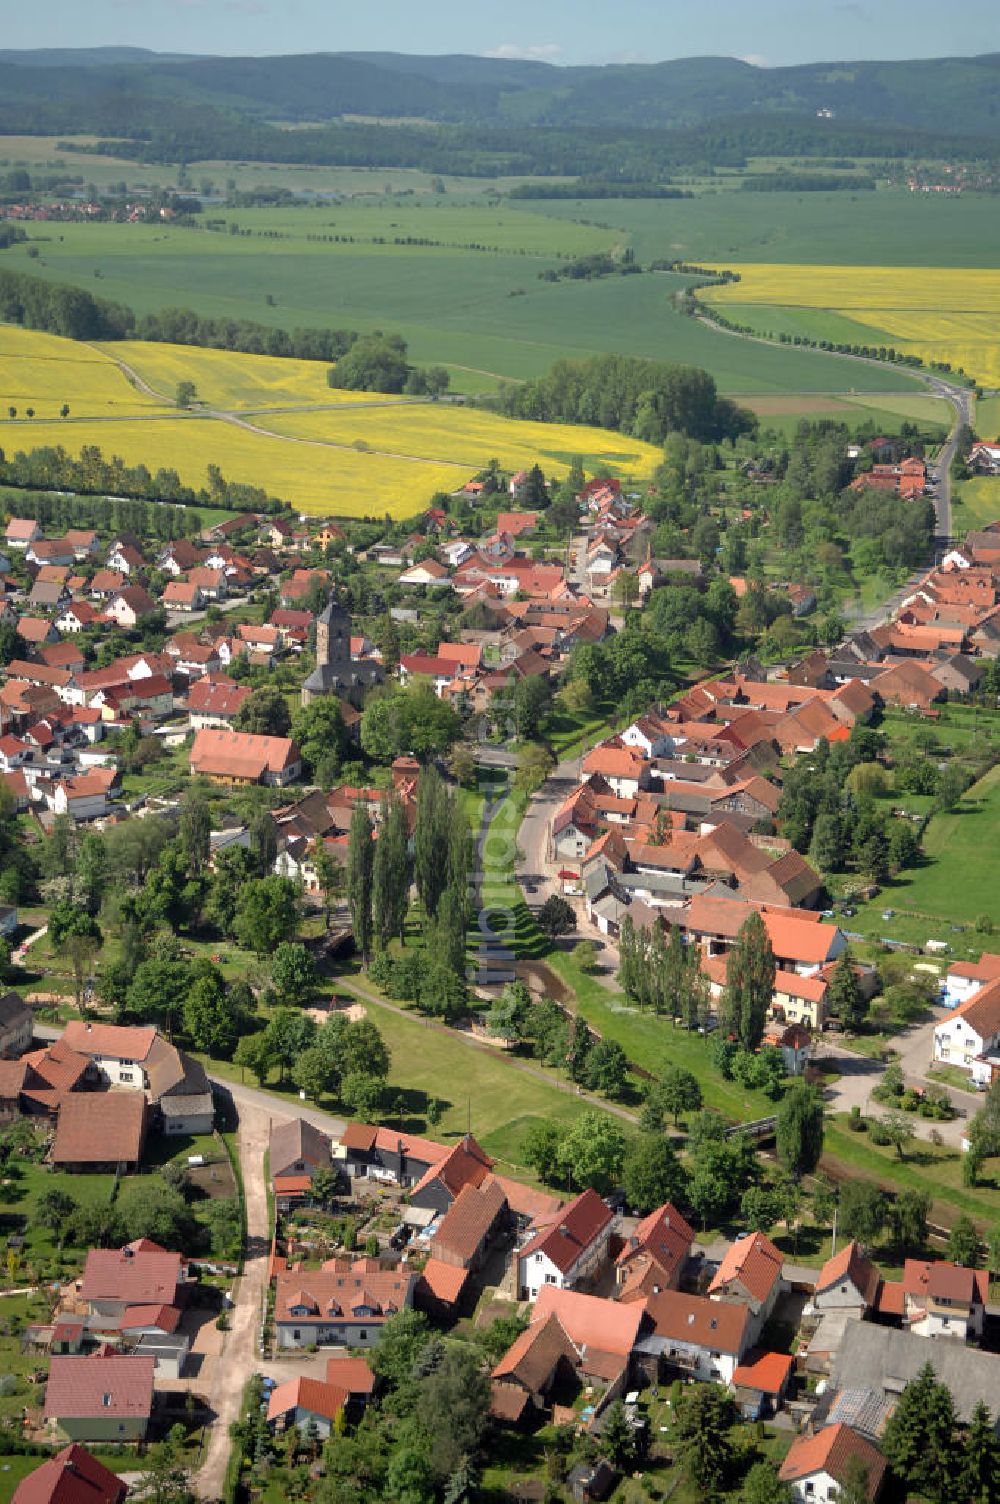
877,1133
856,1122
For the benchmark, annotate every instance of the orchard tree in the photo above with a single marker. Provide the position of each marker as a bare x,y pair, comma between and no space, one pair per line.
679,1092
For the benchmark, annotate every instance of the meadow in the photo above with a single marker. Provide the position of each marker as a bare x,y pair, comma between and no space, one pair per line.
988,418
940,313
887,412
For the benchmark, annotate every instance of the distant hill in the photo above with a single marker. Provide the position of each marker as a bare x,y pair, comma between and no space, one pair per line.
129,91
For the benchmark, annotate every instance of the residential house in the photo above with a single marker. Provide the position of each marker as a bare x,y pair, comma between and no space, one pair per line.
964,978
344,1303
105,584
296,1150
464,1164
141,1059
941,1299
126,558
970,1037
22,532
49,551
210,582
77,617
140,1274
128,607
427,572
700,1338
72,1476
750,1273
100,1131
85,797
654,1255
181,595
306,1402
180,556
100,1398
818,1466
211,703
386,1154
605,1333
237,757
848,1281
569,1251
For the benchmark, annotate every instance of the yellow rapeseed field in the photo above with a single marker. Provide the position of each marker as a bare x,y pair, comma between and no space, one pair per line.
314,478
363,454
42,371
229,380
469,436
939,313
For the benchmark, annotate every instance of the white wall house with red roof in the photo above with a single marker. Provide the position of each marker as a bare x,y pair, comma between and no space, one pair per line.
970,1037
569,1251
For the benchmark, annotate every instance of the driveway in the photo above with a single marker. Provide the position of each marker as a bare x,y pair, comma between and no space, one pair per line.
533,836
228,1373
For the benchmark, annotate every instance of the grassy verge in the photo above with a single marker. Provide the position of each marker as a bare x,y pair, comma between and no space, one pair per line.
232,1147
926,1167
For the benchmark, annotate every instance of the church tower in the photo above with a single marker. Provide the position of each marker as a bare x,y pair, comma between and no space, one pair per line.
333,639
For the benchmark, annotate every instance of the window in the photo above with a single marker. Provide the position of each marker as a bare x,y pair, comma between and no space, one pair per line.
538,1258
106,1401
297,1335
362,1335
550,1279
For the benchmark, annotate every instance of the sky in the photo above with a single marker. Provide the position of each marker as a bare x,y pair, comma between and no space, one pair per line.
770,33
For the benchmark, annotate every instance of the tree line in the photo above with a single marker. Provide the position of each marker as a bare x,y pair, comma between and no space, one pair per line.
644,398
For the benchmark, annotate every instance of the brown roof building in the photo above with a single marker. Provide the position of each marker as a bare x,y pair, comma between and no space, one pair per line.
468,1226
100,1131
100,1397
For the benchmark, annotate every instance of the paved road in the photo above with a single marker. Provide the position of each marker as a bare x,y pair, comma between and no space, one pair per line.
533,836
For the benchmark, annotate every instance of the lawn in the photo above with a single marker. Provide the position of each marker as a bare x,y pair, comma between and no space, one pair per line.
960,877
24,1183
975,504
941,313
988,418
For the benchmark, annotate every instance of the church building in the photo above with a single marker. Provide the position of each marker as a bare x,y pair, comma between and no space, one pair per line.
336,672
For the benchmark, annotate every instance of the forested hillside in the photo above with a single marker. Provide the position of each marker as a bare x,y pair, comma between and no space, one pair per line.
126,91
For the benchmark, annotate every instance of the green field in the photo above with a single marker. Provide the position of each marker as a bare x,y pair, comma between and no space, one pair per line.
890,228
975,503
988,418
958,881
483,314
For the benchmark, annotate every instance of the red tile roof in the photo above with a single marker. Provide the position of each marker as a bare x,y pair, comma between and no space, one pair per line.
466,1224
443,1282
138,1278
72,1476
853,1265
769,1373
307,1394
590,1322
831,1451
116,1041
753,1263
353,1374
719,1325
576,1228
116,1388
